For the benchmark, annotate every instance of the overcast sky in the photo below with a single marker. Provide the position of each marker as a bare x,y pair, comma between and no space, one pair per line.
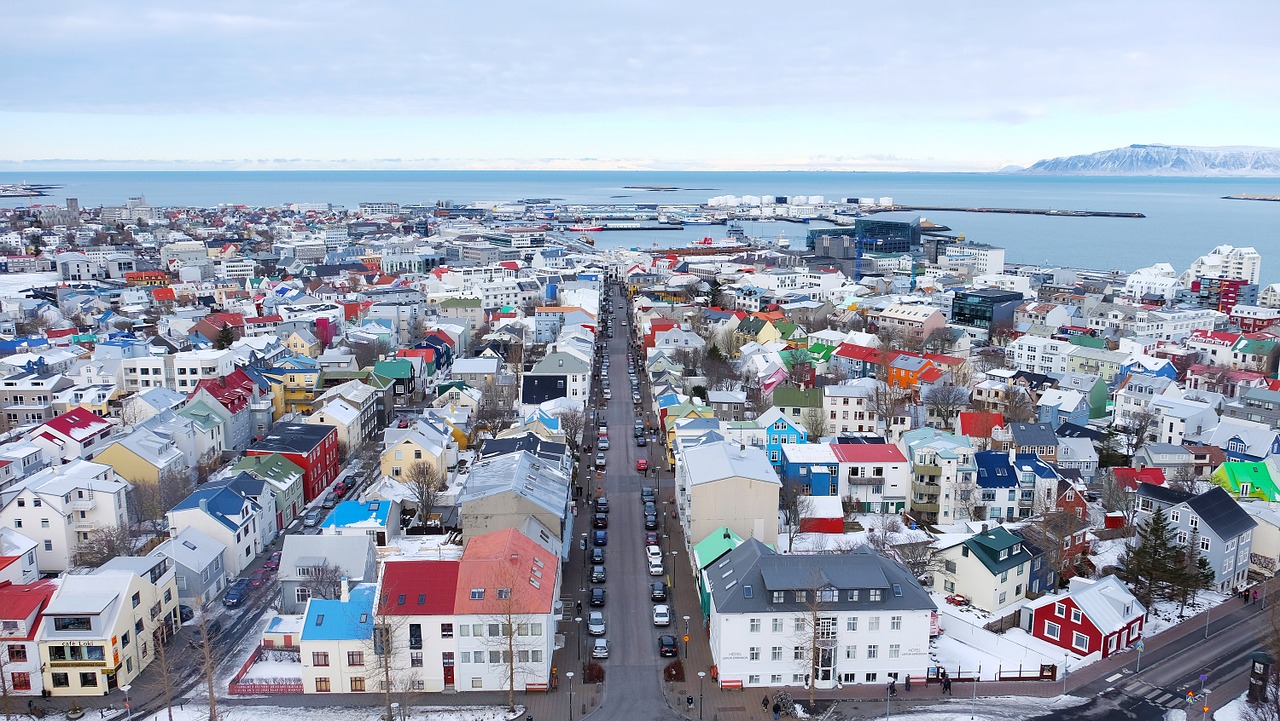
703,85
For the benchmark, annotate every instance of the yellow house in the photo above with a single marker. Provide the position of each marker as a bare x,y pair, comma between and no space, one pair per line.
303,343
297,388
142,457
421,442
675,413
95,398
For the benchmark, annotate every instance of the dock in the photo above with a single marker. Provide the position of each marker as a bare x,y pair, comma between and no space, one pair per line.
1251,196
1011,211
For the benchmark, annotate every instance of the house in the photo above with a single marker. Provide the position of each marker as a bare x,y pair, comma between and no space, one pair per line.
420,597
59,507
372,412
311,565
100,629
1245,440
1094,617
1224,530
1062,405
780,430
377,518
143,458
17,558
501,492
336,643
727,484
311,447
944,484
21,611
990,568
197,561
345,419
284,477
428,440
728,405
866,615
76,434
1036,439
1257,479
231,519
877,476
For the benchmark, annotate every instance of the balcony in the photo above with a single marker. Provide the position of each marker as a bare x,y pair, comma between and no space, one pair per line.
926,470
932,508
84,504
925,489
866,480
84,525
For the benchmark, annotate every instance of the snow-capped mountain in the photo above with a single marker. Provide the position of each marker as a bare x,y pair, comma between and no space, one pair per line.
1167,160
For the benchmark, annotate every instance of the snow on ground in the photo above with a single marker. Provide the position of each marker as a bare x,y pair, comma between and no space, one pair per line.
872,523
1169,613
1106,553
275,665
12,284
1233,711
998,708
431,548
272,713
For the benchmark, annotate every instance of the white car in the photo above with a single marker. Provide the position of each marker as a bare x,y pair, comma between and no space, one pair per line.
662,615
653,553
600,648
655,567
595,623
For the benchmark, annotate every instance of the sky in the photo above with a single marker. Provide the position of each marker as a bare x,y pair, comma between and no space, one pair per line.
841,85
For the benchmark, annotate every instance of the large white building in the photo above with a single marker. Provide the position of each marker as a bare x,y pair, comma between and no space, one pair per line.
1225,261
59,507
783,620
1159,279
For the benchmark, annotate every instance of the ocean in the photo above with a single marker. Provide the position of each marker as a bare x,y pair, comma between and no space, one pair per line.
1186,217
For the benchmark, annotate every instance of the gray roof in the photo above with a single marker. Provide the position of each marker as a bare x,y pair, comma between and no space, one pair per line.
744,580
1221,513
191,548
1033,434
521,473
716,461
353,554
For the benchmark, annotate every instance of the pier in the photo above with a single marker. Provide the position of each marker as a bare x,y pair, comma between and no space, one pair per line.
1011,211
1251,196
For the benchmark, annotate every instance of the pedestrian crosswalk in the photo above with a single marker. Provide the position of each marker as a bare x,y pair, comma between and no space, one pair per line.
1154,695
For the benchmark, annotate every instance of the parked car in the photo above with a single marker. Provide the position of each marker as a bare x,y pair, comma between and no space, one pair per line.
340,488
595,623
597,573
662,615
603,443
600,648
602,505
597,555
330,500
600,520
650,538
600,460
653,553
658,591
650,522
272,561
600,538
608,394
667,646
210,631
655,567
650,508
642,441
597,596
185,613
235,594
311,520
258,577
642,465
647,494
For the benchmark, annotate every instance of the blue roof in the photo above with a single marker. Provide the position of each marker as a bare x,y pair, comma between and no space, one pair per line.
218,503
1032,462
994,470
668,399
350,513
337,621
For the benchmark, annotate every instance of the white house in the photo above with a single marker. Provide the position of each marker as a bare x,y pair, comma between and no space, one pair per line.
227,517
59,507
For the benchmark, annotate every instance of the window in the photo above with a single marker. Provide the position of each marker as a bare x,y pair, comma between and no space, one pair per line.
851,623
895,623
17,653
1060,610
850,652
873,623
302,593
755,625
322,684
477,594
1204,543
1052,630
853,595
1003,596
798,625
873,595
88,679
21,681
357,684
1079,640
355,658
415,659
777,625
895,650
753,653
60,680
319,658
137,599
1076,615
797,653
873,651
778,596
71,623
775,653
1175,516
1194,522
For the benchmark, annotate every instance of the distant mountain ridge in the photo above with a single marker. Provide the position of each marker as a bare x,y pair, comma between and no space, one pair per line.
1167,160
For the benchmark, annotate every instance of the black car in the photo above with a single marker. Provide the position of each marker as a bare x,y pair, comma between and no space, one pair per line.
647,494
650,522
650,508
642,441
658,591
602,505
667,646
600,520
597,596
597,555
597,573
639,432
212,628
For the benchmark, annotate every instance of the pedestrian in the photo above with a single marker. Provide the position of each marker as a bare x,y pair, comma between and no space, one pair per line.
579,607
907,683
893,687
946,685
1255,596
764,703
777,709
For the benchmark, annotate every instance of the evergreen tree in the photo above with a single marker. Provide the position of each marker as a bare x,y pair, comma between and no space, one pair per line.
1109,453
1150,565
1193,573
225,338
716,289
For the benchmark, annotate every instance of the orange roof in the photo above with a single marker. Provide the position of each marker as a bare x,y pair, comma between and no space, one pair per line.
505,560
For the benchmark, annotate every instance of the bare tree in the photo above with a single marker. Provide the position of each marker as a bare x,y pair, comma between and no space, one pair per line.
510,635
165,669
207,465
939,340
1183,478
425,485
1018,406
208,653
888,401
573,422
151,501
945,402
919,557
1052,531
1115,497
104,544
324,581
814,424
387,628
1141,429
6,693
883,532
991,358
797,505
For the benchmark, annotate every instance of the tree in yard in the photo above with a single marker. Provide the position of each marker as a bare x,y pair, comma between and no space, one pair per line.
151,501
945,402
6,693
1116,498
797,505
323,581
717,370
1109,453
883,532
425,486
104,544
1193,573
814,424
1150,564
1050,531
1183,478
225,337
1018,406
888,401
164,668
939,340
919,557
381,651
492,410
573,422
1139,430
991,358
207,465
366,352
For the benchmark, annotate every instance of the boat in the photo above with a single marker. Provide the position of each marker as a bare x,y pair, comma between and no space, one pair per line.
586,228
726,243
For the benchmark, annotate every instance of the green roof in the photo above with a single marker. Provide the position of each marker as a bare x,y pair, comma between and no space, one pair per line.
272,466
785,328
714,546
1088,341
1253,346
202,415
461,303
397,368
1232,475
821,351
790,396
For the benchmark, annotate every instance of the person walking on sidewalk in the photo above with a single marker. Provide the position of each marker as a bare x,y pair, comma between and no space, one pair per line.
946,685
893,687
777,709
764,704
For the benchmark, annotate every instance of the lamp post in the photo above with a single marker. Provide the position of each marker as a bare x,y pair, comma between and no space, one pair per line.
578,620
127,710
887,694
569,675
686,634
701,675
585,554
1064,674
1206,621
395,710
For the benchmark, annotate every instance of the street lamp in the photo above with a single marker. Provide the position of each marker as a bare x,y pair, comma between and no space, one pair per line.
128,711
686,632
395,710
578,619
1064,674
888,691
701,675
569,675
584,550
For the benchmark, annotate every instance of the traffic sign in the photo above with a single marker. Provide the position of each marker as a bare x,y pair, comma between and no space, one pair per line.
686,638
1204,677
1139,646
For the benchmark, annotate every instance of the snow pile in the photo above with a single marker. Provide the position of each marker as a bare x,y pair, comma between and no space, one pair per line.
194,712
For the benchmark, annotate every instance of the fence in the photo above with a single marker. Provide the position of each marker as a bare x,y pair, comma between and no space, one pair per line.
239,687
1004,623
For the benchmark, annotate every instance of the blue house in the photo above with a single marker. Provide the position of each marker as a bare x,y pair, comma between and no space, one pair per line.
813,466
1243,440
371,518
997,486
779,430
1058,406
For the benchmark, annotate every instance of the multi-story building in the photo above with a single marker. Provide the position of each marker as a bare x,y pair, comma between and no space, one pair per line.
21,610
984,307
785,620
59,507
1039,355
1225,261
945,477
1213,520
26,398
311,447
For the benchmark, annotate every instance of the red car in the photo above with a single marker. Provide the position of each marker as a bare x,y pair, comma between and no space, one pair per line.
956,599
258,577
273,562
642,465
651,538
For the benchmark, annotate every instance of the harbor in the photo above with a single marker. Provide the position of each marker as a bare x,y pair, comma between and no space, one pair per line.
1009,211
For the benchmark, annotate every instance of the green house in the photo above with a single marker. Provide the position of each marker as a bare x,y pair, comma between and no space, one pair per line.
1249,479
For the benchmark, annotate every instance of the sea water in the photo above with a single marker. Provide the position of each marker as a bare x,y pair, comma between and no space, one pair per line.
1186,217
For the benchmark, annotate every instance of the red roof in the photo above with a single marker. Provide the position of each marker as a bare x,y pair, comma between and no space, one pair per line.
233,391
264,319
506,560
419,588
867,453
979,424
77,424
61,332
929,375
426,354
939,359
1129,478
235,320
23,602
163,292
510,265
442,336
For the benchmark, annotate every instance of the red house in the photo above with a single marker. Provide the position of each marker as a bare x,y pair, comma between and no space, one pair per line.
1129,478
313,447
1094,616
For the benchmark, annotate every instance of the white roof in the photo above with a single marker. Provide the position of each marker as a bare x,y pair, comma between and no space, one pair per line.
717,461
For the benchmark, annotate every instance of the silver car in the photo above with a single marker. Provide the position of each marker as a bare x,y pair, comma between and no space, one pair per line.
600,648
595,623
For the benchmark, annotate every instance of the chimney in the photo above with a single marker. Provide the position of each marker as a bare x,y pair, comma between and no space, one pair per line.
984,528
346,590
